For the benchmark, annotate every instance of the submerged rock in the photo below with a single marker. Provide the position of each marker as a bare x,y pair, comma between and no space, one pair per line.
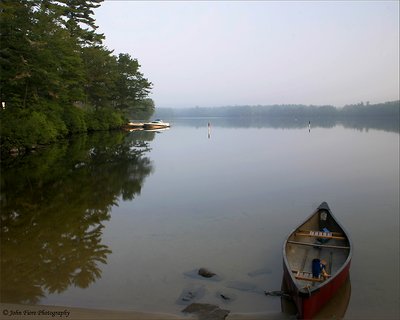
206,273
190,294
225,297
206,311
278,294
202,273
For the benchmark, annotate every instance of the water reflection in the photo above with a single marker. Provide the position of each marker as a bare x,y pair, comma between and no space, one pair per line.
53,206
388,124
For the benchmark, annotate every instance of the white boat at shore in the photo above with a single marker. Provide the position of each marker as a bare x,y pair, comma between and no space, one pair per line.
156,124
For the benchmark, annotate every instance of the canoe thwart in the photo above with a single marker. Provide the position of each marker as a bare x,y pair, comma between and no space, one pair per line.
318,245
321,234
337,234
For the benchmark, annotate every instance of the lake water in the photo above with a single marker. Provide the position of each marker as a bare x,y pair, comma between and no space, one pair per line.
123,220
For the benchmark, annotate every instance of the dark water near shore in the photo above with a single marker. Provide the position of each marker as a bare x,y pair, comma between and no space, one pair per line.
120,220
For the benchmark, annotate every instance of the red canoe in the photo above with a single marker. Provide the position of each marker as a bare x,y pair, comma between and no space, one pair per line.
319,237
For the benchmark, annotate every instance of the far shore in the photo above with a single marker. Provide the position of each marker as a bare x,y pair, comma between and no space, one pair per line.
36,312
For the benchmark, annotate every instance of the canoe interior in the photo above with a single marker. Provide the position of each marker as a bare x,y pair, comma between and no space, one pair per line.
302,247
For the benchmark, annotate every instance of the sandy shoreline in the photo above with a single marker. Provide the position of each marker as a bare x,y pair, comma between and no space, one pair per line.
33,312
42,312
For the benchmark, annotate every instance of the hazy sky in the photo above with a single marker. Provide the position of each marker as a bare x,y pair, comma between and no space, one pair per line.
215,53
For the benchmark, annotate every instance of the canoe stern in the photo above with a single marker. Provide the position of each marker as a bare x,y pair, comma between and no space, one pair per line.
309,301
310,298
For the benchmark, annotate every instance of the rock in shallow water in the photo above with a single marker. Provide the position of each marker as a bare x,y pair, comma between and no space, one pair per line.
198,274
206,273
206,311
225,296
190,294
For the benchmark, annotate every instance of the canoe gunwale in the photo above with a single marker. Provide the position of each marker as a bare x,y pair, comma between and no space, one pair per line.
308,291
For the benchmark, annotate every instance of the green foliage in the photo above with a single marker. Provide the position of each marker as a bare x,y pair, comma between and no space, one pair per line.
142,110
13,134
52,60
131,87
100,76
74,119
103,119
26,128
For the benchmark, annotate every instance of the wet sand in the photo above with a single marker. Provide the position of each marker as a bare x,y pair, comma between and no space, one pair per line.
36,312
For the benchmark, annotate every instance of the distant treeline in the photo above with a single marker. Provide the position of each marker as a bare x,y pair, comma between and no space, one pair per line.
361,123
387,109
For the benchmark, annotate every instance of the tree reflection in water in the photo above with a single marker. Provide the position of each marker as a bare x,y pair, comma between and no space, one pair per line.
53,206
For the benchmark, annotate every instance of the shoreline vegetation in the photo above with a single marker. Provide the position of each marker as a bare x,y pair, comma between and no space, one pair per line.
23,311
58,79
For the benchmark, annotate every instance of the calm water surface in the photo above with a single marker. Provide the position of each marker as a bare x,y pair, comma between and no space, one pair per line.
120,221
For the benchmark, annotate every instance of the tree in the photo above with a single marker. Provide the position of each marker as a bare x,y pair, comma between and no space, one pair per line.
100,76
16,22
142,110
80,12
53,62
131,86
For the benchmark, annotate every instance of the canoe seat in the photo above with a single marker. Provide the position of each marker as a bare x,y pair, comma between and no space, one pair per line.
307,276
320,234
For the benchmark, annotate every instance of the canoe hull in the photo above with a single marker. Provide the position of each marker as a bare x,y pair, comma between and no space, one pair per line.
308,305
305,244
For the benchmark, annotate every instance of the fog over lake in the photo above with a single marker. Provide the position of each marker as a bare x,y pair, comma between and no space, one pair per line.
121,220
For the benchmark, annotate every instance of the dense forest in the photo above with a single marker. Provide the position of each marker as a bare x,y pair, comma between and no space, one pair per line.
57,78
387,109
